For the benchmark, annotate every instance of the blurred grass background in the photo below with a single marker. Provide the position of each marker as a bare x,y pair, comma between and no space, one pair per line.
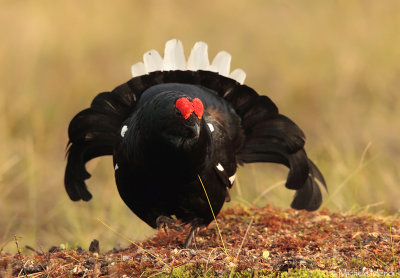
332,66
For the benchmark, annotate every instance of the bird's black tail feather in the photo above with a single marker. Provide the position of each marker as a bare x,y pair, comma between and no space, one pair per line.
309,197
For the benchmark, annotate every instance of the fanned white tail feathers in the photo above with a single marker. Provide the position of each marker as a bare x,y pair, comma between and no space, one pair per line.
174,59
222,63
152,61
138,69
198,58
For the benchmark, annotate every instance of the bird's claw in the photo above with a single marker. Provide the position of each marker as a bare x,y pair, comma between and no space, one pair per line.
164,222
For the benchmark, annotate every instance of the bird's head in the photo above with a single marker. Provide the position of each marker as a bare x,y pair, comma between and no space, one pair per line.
169,122
183,129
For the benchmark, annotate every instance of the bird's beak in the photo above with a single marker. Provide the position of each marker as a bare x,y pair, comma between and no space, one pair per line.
195,131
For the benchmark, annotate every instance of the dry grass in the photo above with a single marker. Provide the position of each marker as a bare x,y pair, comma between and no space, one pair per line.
332,66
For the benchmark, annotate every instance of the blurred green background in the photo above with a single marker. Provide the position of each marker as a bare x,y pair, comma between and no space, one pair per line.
332,66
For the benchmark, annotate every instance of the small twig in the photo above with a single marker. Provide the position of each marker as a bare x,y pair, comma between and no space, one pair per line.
367,207
267,190
379,260
31,248
241,200
361,165
393,253
69,256
215,219
208,260
19,252
152,275
206,271
244,238
361,247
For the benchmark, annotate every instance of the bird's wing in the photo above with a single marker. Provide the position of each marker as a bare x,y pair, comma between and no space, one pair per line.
92,133
272,137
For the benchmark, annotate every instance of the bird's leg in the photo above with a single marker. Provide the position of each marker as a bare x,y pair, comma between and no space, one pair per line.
191,236
164,222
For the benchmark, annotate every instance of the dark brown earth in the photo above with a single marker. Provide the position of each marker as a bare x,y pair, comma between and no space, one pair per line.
257,240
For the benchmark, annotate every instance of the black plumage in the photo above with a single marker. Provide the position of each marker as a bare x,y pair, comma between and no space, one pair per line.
158,154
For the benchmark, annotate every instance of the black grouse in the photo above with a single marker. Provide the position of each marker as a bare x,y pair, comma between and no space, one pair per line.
177,124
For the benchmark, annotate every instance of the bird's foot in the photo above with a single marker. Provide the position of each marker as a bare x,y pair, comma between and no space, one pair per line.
164,222
191,237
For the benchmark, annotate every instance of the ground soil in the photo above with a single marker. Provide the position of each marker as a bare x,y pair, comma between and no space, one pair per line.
258,241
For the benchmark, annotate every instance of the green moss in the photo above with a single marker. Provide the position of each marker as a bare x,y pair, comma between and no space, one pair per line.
189,271
198,271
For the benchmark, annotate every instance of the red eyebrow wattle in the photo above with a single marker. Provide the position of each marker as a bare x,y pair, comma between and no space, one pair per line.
187,107
198,108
